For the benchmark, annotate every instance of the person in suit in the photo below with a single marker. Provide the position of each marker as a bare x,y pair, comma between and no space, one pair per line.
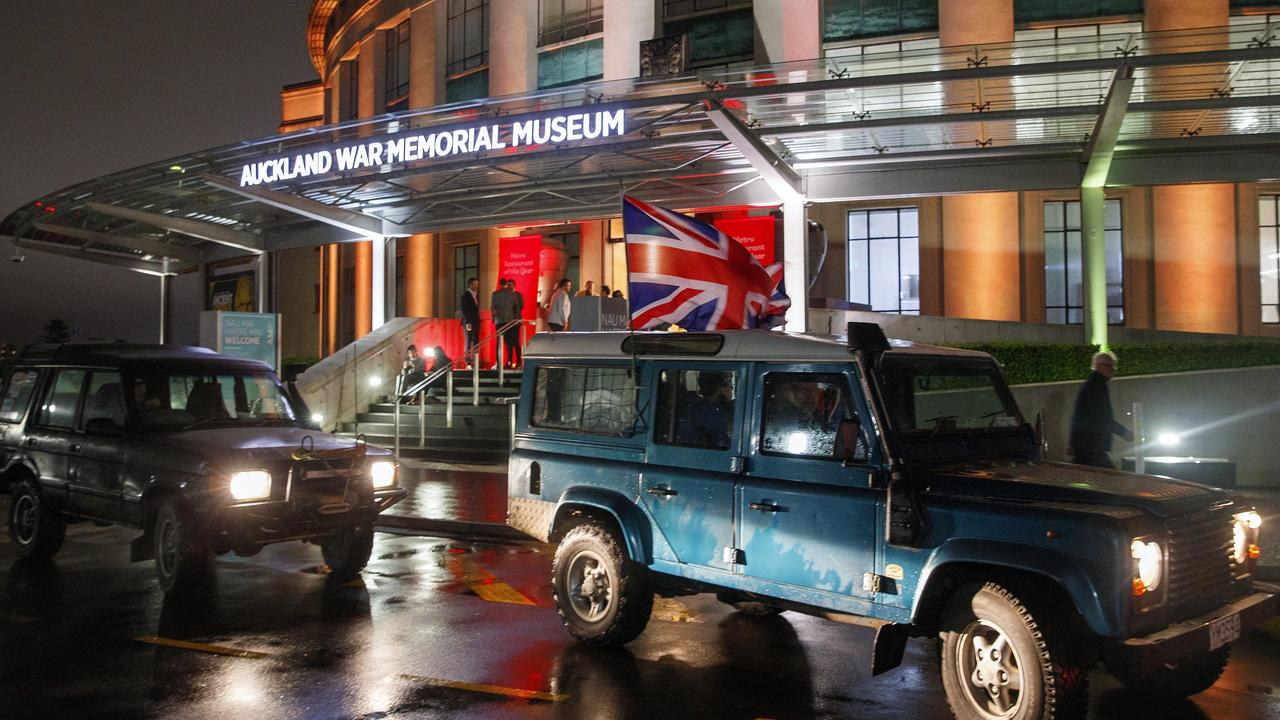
507,305
470,305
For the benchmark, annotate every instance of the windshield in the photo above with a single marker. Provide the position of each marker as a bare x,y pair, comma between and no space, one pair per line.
187,400
927,397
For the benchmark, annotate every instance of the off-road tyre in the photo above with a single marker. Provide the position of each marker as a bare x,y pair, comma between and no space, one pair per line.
36,531
183,558
348,552
1044,676
1176,680
603,597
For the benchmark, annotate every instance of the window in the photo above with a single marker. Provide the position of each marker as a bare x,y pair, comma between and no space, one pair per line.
560,20
598,400
716,38
846,19
17,395
571,64
466,264
397,68
884,259
222,397
468,35
1064,263
695,408
803,412
1027,11
58,409
349,92
105,399
1066,32
1268,257
472,86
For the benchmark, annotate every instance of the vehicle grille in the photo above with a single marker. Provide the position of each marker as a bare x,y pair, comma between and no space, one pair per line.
1200,565
327,486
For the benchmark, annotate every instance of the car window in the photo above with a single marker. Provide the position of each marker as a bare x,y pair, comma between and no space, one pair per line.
58,407
173,401
803,412
594,399
17,395
104,400
695,408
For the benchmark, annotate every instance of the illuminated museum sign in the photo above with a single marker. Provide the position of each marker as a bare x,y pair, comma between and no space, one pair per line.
409,148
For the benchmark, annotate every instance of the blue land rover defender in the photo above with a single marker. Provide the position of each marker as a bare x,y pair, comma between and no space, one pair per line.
890,485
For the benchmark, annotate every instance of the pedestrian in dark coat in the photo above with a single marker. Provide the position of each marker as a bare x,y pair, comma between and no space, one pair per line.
470,305
1092,423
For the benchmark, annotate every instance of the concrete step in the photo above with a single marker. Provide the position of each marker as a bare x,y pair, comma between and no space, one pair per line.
437,421
464,450
459,431
460,407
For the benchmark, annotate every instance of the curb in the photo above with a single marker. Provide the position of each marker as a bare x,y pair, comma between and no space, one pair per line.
1267,573
450,528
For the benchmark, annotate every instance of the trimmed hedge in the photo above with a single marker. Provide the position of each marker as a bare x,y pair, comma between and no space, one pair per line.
1025,363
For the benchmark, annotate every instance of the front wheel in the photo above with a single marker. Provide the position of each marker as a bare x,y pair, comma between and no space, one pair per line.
602,596
36,531
1001,662
183,559
348,552
1176,680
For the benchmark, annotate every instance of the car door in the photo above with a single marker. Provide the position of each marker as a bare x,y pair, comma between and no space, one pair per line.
807,521
18,392
51,435
97,465
695,451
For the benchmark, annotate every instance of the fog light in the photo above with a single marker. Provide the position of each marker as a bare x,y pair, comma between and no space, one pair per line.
383,474
251,485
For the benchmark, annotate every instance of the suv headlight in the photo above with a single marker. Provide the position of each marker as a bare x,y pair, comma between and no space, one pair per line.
251,485
383,474
1148,566
1244,537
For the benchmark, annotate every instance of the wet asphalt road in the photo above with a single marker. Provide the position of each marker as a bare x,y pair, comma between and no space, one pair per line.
447,629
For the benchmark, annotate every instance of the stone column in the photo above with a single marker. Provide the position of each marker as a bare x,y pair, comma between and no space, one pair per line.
795,249
373,74
419,274
980,242
363,289
627,23
788,29
513,46
426,66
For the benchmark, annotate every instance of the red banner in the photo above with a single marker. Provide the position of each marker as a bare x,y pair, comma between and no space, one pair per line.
755,234
518,260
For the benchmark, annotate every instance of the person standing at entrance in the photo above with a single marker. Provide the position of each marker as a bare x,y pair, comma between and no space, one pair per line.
470,304
507,306
588,290
558,306
1092,423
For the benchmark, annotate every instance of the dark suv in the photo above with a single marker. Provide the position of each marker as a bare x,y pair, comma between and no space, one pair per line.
203,453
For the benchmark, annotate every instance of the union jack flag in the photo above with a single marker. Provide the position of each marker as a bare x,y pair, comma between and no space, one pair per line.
686,272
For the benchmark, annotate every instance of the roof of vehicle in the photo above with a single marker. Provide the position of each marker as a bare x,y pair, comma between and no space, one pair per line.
118,354
726,345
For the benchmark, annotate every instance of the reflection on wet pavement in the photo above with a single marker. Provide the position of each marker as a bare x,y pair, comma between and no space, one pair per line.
466,495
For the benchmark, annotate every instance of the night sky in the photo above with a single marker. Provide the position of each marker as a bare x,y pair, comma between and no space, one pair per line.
89,87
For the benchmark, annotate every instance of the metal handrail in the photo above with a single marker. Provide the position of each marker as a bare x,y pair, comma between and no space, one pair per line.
419,388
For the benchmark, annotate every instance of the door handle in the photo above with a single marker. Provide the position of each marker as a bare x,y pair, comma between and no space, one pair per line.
661,491
765,506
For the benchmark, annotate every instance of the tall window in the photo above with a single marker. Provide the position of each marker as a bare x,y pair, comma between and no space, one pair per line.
397,66
570,64
349,90
1269,256
1025,11
721,32
561,20
884,259
468,35
847,19
1064,263
466,264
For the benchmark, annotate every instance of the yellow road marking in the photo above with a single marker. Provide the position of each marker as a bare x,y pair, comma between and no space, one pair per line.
489,689
673,610
483,583
202,647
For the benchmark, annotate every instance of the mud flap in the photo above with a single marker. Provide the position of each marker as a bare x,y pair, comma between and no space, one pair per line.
142,548
889,645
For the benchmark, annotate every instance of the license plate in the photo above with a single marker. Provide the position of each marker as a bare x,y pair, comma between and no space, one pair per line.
1223,631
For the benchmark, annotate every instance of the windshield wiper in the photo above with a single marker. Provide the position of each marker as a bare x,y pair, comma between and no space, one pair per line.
939,422
205,421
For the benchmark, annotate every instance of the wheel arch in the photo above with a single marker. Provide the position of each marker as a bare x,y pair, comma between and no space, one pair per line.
14,474
959,563
607,507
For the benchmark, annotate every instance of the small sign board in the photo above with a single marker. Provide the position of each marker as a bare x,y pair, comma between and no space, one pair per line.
255,336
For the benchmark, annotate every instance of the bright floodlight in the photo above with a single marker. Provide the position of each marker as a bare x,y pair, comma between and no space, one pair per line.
375,381
1169,439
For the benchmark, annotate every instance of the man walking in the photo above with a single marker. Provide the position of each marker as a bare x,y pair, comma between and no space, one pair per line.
558,306
1092,424
470,304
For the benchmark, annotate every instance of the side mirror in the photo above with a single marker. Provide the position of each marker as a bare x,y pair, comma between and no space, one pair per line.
103,426
849,446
